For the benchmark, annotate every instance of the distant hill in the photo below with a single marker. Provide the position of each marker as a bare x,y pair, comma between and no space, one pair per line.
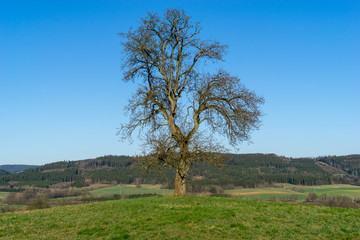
247,170
3,172
15,168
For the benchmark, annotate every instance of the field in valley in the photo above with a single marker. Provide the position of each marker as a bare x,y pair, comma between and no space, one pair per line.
280,192
130,189
295,192
3,196
271,193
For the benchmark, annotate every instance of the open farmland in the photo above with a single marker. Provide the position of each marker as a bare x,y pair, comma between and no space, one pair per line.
3,196
130,189
265,193
300,192
335,189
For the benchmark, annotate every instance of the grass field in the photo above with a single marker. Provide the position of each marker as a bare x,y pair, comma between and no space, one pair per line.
3,194
264,193
122,189
130,189
336,189
279,192
301,192
183,218
275,193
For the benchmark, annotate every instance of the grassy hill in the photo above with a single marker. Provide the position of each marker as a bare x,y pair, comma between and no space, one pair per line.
246,170
183,218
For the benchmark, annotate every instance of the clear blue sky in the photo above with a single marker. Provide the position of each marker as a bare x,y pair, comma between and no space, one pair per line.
62,98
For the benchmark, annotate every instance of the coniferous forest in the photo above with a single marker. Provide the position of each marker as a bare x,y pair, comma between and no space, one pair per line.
238,170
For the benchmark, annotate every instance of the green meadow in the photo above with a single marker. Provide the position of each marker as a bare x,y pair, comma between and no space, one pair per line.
263,193
337,189
192,217
3,194
278,192
130,189
282,191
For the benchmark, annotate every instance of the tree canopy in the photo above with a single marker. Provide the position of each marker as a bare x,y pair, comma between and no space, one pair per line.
175,96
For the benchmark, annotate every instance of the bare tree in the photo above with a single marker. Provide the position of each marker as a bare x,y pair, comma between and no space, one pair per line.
174,97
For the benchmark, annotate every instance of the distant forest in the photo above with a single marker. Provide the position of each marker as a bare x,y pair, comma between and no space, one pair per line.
239,170
15,168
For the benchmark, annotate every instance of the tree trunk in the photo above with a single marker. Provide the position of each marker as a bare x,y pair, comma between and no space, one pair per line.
182,169
180,184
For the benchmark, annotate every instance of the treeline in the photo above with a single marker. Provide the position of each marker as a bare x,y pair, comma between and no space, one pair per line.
350,164
246,170
119,169
252,170
3,172
14,168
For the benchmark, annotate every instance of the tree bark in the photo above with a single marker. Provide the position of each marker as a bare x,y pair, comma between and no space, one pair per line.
180,184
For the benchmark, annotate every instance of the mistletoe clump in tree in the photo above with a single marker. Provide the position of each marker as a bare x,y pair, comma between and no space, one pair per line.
175,97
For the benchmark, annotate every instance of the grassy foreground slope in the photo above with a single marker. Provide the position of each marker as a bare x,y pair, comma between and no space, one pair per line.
183,218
